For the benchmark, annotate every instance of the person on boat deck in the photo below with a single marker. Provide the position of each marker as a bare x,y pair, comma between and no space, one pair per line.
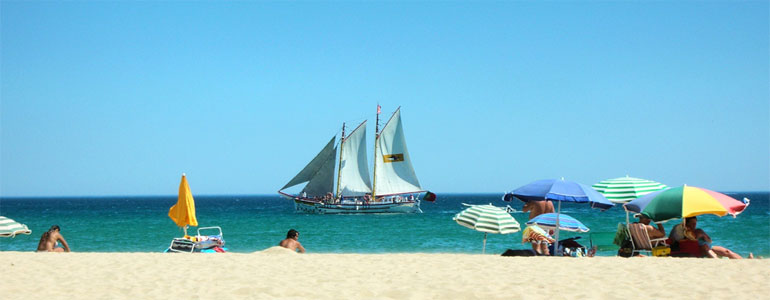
652,232
49,239
536,208
688,231
291,242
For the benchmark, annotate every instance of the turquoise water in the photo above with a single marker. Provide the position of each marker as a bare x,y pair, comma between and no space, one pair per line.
251,223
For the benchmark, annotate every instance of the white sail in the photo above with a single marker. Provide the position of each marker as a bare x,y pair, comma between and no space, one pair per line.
354,169
394,172
319,173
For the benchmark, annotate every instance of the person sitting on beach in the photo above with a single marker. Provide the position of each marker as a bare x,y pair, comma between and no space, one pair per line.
688,231
291,242
49,239
652,232
540,243
536,208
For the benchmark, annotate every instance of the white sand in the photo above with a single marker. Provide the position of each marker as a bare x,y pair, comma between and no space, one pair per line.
278,273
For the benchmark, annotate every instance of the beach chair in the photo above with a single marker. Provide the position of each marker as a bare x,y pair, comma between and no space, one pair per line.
200,243
640,240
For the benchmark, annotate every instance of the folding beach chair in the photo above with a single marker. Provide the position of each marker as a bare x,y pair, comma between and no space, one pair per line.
640,240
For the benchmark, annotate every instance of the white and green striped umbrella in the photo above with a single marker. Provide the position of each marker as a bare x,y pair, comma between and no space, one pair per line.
625,189
10,228
487,219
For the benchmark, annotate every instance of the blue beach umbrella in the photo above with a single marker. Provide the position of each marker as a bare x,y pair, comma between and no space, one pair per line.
561,190
548,221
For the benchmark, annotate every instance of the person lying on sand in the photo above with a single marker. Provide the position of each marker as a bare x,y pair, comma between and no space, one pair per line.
291,242
49,239
688,231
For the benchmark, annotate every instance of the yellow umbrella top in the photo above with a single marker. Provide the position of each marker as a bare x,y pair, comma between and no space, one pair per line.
183,212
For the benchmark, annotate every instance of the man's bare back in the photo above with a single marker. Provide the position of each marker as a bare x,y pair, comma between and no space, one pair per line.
292,245
536,208
291,242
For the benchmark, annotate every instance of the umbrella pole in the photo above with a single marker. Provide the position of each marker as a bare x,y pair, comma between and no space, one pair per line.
484,245
628,221
556,248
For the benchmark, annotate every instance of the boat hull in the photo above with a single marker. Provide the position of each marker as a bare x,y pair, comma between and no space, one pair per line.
312,207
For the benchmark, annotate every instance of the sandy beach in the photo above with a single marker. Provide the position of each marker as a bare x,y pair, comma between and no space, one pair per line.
278,273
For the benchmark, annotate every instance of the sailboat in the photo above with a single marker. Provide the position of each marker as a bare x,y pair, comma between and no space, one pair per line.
394,188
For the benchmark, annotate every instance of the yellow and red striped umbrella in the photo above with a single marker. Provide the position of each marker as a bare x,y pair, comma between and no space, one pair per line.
683,202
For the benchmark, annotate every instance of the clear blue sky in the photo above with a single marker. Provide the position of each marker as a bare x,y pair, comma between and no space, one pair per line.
120,98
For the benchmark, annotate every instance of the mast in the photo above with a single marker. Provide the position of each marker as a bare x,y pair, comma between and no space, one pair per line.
339,167
376,136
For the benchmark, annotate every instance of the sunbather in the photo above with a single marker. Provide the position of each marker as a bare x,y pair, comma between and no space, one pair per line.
540,247
538,238
49,239
291,242
536,208
688,231
652,232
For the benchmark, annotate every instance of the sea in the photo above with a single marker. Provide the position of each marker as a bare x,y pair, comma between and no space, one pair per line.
257,222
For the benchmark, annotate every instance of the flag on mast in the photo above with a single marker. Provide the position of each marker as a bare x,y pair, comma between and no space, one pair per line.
379,109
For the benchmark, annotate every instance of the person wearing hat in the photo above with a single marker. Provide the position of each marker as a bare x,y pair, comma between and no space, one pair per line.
653,232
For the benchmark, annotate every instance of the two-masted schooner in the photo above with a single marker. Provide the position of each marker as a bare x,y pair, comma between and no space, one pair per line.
395,188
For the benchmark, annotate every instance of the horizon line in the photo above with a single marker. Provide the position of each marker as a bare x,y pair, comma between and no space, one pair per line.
278,195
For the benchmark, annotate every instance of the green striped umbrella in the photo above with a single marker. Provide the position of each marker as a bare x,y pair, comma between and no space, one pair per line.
487,219
10,228
624,189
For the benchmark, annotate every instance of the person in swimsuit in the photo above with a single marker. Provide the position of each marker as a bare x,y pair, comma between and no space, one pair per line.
291,242
536,208
652,232
540,244
688,230
49,239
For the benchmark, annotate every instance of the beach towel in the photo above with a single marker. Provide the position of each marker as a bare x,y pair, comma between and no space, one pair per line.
621,235
520,252
535,233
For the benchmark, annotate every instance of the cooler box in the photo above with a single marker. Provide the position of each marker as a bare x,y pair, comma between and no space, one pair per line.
661,251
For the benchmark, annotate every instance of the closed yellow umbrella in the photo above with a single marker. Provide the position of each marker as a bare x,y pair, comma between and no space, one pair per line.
183,212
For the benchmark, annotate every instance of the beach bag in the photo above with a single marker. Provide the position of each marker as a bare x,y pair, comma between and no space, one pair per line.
626,249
